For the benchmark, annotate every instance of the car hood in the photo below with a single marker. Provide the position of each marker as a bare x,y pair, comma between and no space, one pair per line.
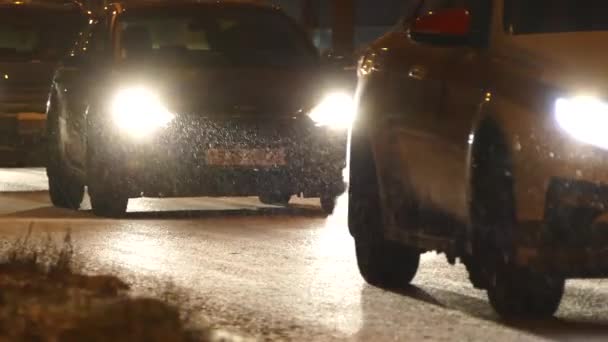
229,91
574,62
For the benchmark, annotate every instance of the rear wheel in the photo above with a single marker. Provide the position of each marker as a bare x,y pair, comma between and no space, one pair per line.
65,190
382,263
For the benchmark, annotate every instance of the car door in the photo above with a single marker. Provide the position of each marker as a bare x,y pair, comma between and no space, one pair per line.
408,154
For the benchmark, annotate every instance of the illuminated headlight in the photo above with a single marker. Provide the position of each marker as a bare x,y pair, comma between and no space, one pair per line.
336,111
139,112
585,118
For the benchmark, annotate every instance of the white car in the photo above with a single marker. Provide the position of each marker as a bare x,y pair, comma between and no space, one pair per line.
482,133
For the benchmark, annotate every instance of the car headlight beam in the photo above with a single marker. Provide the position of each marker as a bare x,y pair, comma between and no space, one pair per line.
139,111
585,118
337,111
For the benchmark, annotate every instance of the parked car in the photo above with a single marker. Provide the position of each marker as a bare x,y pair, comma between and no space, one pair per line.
34,35
481,134
194,99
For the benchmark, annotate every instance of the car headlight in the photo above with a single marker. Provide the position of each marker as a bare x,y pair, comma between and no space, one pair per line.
337,111
139,111
585,118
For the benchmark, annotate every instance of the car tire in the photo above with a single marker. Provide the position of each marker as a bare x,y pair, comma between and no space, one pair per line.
65,190
520,293
513,291
275,198
382,263
107,196
386,264
108,204
328,204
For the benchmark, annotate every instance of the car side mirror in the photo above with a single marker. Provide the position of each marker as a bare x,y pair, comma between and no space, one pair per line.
444,27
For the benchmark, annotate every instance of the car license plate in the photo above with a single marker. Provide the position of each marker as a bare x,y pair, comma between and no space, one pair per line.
246,157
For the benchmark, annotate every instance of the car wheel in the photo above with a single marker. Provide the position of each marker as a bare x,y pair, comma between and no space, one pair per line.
524,294
328,204
513,291
386,264
275,198
107,197
107,204
382,263
65,190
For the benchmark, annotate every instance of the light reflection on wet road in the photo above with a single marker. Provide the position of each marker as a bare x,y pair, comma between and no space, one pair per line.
280,273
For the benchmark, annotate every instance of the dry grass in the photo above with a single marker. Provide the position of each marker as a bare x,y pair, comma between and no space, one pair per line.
43,299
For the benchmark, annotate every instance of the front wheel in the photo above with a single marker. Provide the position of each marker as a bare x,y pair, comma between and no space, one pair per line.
525,294
382,263
108,205
513,291
275,198
386,264
328,204
108,198
65,190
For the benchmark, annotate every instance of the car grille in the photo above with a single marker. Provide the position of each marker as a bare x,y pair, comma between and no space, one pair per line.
261,132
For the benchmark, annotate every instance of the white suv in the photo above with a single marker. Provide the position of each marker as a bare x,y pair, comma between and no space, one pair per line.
482,133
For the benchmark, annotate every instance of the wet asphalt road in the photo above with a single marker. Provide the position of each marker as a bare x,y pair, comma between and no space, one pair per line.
279,273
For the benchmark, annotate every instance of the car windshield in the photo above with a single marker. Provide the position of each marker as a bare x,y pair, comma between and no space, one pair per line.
30,33
214,37
553,16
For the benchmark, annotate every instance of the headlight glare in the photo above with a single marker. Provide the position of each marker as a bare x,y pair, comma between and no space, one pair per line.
337,111
585,118
139,112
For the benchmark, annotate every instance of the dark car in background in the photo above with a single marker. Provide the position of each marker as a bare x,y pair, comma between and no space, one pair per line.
34,36
194,99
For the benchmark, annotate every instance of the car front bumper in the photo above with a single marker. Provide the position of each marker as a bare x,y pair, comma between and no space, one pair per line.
561,190
176,163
